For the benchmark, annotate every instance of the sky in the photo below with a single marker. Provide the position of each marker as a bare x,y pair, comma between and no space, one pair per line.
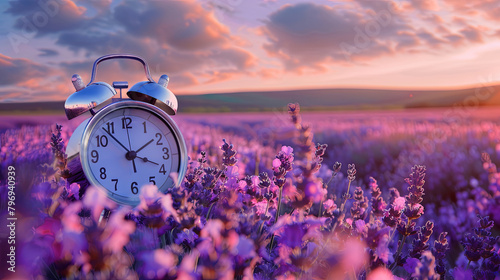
215,46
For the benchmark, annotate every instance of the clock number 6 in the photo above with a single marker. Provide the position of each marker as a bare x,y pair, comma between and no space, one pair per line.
134,188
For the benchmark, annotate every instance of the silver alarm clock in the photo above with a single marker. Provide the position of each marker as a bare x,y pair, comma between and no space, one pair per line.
126,143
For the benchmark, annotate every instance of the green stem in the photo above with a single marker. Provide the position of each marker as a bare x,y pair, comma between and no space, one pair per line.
346,197
196,264
163,243
320,206
342,207
398,253
276,216
50,269
171,235
279,205
262,225
257,162
326,187
209,210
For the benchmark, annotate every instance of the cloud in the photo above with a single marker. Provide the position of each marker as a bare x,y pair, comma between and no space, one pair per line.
430,39
173,36
46,17
183,25
487,8
47,52
127,70
179,38
311,35
425,5
473,34
25,80
12,96
99,5
18,71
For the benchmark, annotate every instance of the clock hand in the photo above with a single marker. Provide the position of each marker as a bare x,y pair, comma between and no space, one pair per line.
144,145
116,140
145,159
130,146
133,163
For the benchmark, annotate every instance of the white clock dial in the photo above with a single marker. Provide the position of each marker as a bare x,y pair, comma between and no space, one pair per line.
127,146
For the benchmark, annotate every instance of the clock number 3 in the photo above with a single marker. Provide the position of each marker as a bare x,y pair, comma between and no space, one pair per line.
165,153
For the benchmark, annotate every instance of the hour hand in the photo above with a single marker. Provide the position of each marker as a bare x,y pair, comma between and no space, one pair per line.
145,159
114,138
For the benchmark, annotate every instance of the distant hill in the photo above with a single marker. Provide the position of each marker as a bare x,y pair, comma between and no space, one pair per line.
314,99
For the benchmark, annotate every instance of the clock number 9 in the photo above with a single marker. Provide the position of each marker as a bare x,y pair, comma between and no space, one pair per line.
134,188
95,156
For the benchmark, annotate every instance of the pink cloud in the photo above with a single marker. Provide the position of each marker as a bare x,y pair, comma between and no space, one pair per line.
44,17
489,8
473,34
16,71
425,5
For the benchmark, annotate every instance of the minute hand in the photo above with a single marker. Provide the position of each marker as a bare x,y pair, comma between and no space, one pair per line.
144,145
116,140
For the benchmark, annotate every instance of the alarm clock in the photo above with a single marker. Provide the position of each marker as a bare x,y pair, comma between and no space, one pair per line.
126,143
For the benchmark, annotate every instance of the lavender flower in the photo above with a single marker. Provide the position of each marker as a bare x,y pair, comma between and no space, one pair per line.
441,247
359,205
351,172
420,244
416,191
229,154
378,203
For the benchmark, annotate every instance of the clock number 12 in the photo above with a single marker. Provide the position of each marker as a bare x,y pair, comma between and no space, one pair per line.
126,123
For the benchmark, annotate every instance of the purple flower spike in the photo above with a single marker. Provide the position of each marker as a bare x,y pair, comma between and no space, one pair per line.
351,172
229,155
441,246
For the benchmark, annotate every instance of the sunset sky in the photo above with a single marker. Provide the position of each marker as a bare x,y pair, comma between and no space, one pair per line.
212,46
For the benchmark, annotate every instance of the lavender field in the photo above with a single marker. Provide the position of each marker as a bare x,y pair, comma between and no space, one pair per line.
277,195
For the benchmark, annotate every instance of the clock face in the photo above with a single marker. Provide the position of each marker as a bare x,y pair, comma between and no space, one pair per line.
129,144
